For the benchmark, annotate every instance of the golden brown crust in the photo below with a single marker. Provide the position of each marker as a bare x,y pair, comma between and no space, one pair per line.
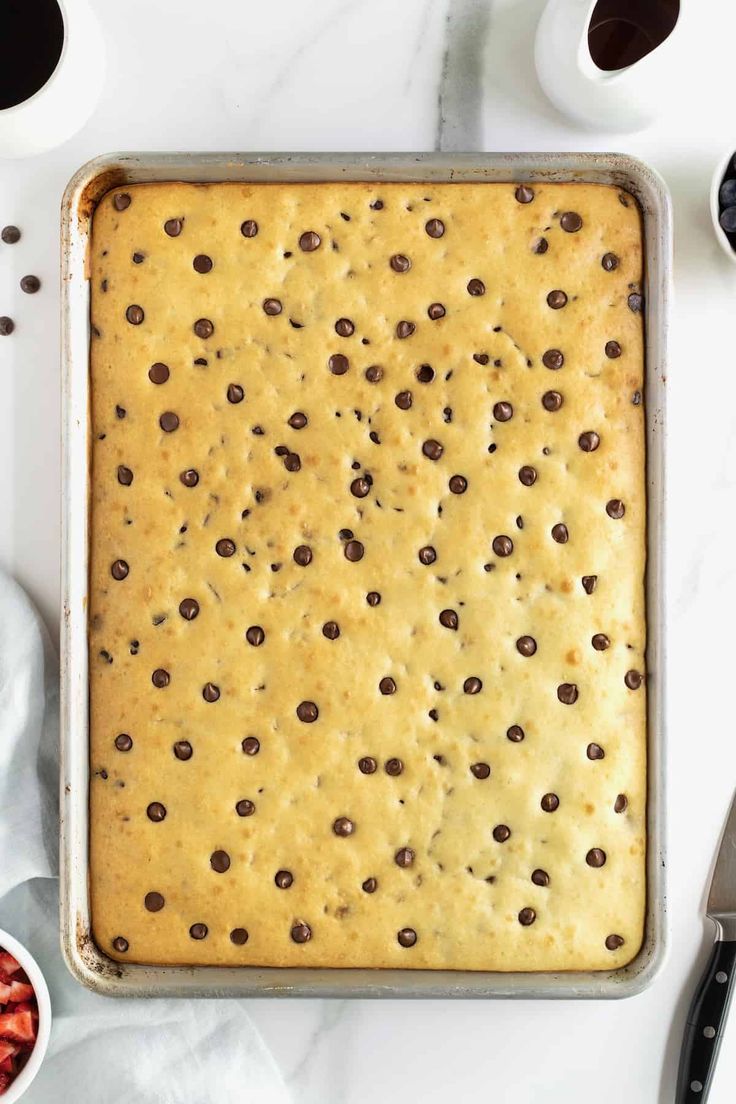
465,894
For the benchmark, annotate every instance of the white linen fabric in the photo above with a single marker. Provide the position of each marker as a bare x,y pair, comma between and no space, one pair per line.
102,1050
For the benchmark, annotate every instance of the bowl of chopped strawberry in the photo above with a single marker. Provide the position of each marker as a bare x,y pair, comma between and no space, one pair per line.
25,1018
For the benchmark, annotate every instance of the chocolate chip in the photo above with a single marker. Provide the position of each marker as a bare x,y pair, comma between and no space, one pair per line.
367,765
589,441
183,750
527,475
354,551
393,767
458,484
571,222
540,877
190,477
338,364
615,508
404,857
595,751
552,400
636,302
556,299
360,487
239,936
343,826
31,284
119,570
403,400
427,555
515,734
120,944
292,462
449,619
7,325
600,642
173,227
373,598
425,373
621,804
476,287
198,931
251,745
407,937
560,533
156,812
480,770
123,742
541,245
527,916
225,547
202,263
11,234
210,692
189,608
249,228
405,329
344,327
135,314
553,359
503,411
613,942
204,328
435,228
158,372
331,630
432,449
501,833
255,635
596,857
436,311
400,263
301,933
307,712
613,350
567,693
472,685
609,262
120,411
283,879
503,546
125,475
589,583
481,358
524,194
370,885
309,241
377,205
374,374
526,646
633,679
303,555
220,861
272,307
138,258
550,802
154,902
387,685
244,807
169,421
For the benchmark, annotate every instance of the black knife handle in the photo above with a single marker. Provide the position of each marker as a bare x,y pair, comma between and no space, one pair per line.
705,1023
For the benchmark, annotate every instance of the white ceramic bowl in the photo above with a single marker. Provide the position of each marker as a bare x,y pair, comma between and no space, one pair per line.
718,176
37,980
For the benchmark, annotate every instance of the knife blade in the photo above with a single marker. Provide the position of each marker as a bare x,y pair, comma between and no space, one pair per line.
709,1007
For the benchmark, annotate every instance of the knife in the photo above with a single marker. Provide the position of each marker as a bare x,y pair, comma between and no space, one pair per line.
706,1019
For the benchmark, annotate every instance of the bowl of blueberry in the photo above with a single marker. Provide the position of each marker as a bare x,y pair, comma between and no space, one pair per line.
723,204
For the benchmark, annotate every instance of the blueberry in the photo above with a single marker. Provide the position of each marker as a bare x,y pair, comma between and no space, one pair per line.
727,194
728,220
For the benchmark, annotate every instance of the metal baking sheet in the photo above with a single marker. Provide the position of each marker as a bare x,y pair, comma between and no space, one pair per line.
87,963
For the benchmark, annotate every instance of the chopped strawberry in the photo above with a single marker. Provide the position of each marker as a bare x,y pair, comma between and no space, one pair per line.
17,1026
7,1053
5,1079
7,963
20,991
5,991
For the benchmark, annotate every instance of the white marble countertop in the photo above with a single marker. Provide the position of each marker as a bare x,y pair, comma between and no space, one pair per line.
417,75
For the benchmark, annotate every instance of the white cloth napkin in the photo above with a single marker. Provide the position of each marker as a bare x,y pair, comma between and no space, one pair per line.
102,1050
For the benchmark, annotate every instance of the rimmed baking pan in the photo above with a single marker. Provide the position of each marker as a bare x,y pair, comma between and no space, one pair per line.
85,960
